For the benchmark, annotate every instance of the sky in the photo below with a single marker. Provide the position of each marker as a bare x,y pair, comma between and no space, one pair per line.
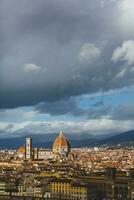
66,65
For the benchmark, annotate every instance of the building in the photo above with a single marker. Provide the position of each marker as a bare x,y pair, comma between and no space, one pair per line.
61,148
68,189
21,152
79,191
36,153
28,148
111,185
45,154
61,145
10,187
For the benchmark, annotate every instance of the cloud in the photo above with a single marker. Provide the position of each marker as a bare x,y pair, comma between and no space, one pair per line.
124,53
5,126
126,10
89,126
72,108
31,68
123,112
6,129
57,108
55,34
16,114
89,52
121,73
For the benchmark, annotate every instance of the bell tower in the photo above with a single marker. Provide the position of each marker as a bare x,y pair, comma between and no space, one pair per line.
28,148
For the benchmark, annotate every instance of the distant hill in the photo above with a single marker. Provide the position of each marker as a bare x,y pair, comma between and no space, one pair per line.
82,140
46,140
122,138
15,143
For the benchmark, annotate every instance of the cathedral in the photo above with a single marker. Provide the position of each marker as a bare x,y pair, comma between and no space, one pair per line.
61,145
61,149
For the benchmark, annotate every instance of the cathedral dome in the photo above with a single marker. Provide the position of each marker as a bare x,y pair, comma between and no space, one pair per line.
61,145
21,150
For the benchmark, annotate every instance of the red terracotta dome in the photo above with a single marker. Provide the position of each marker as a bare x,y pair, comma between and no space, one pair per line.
21,150
61,144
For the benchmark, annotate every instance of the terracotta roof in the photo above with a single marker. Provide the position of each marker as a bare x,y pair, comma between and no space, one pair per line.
21,150
61,141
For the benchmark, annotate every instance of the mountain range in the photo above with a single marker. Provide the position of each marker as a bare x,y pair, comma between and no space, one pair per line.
82,140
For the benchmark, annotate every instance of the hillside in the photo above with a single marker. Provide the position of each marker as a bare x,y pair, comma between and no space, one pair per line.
82,140
122,138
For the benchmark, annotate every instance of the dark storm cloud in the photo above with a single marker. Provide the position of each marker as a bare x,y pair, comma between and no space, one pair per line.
71,107
57,108
123,112
52,50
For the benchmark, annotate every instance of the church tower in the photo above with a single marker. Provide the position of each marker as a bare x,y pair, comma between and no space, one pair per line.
28,148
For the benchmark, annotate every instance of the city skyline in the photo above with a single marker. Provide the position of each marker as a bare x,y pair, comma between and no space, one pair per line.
66,66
